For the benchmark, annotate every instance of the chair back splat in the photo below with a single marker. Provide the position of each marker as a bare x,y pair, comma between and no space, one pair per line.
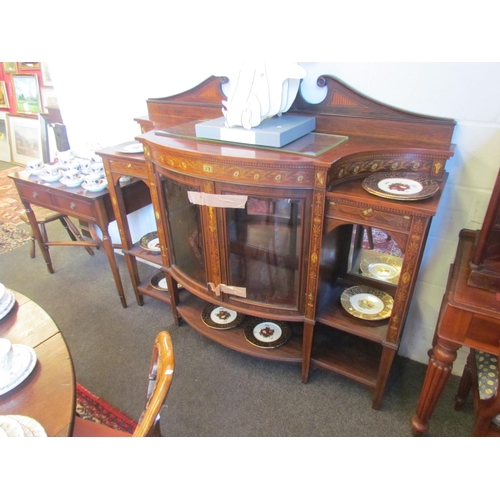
161,373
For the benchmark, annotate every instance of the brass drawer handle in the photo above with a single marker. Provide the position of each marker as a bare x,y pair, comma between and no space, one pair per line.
35,195
72,206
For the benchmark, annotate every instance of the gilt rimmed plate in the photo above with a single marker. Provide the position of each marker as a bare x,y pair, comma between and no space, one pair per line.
384,268
221,318
132,147
150,242
400,186
159,282
368,303
267,334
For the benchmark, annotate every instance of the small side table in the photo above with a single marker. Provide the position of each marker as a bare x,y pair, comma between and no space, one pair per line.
469,316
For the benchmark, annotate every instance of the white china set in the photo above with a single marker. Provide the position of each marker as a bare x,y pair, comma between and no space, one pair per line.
71,171
17,361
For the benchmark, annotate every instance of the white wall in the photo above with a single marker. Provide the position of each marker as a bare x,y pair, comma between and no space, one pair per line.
99,110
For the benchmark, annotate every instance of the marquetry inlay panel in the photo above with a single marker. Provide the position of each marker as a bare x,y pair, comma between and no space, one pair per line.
371,215
390,162
297,176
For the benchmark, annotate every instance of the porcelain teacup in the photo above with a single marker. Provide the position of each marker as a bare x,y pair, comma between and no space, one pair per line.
51,170
71,175
5,357
34,165
94,180
85,166
97,168
65,156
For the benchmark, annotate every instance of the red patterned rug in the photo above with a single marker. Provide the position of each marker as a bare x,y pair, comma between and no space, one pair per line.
91,407
10,204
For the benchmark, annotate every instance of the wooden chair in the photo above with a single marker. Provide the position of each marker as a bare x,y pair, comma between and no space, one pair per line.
43,216
161,373
481,374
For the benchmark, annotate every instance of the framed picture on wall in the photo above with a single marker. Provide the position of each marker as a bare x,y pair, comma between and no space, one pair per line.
24,133
27,66
4,98
27,93
4,138
10,67
46,77
49,99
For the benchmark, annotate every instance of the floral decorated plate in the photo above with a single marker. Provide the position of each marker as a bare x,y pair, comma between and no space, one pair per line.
384,268
221,318
150,242
159,282
267,334
400,186
368,303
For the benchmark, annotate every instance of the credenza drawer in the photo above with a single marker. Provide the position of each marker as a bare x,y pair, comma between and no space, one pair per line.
75,206
363,214
35,194
128,168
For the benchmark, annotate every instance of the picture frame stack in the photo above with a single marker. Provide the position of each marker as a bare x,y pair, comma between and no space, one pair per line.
26,96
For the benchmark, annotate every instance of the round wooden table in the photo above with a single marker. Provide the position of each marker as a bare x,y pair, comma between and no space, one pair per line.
48,393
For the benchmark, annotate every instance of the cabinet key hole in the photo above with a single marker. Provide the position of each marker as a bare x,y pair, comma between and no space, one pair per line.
72,206
35,194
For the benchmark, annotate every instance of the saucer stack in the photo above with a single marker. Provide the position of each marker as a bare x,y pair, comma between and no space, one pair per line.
7,301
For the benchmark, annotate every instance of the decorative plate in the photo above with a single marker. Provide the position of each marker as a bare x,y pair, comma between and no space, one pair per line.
132,147
384,268
267,334
366,302
94,188
7,303
400,186
31,428
150,242
221,318
23,362
159,282
73,183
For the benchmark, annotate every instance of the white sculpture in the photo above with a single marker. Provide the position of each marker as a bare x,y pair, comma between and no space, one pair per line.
259,91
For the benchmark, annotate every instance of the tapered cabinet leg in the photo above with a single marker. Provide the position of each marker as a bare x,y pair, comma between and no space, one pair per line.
438,373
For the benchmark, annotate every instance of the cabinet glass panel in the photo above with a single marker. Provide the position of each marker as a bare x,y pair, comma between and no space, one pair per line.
375,255
264,247
184,220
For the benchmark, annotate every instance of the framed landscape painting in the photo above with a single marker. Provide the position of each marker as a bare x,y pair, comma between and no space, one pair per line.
4,138
27,94
24,133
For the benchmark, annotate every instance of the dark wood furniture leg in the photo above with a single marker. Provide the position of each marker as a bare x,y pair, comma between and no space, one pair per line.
438,373
36,233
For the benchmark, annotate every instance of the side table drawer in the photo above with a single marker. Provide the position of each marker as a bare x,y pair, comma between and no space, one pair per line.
135,169
35,194
74,206
361,214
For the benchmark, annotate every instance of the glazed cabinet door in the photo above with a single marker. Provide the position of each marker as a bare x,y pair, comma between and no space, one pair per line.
184,228
264,242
